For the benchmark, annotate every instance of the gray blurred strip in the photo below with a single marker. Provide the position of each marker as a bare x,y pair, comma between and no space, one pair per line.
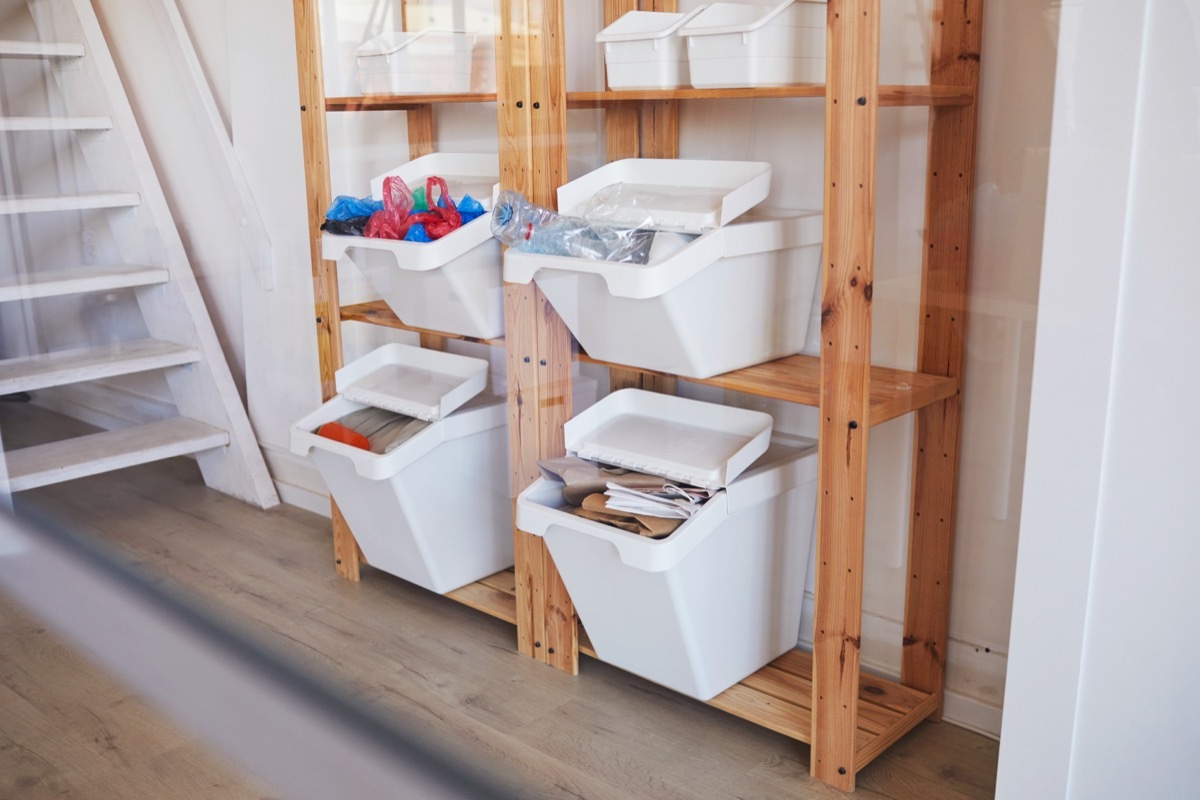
287,728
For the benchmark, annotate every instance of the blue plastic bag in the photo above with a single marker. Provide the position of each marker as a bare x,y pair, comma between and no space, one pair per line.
469,208
345,207
416,233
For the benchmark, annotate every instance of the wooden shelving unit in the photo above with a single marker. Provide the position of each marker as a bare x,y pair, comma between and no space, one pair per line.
847,716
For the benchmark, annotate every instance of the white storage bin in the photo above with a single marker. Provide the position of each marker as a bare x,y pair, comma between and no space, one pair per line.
642,50
744,45
452,284
720,597
736,296
437,510
428,61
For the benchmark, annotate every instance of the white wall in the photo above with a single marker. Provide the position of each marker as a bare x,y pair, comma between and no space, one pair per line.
1102,699
247,49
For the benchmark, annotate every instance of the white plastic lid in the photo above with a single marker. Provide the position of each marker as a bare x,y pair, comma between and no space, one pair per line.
677,194
636,26
702,444
388,43
426,384
724,18
475,174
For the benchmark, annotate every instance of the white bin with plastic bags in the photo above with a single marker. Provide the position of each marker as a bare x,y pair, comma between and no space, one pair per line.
451,285
737,295
435,511
720,597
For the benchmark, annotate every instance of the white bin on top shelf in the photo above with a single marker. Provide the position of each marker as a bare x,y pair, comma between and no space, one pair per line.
436,510
720,597
642,50
732,45
452,284
428,61
740,294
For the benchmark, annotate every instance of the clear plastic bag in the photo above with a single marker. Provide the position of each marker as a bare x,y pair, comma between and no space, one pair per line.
534,229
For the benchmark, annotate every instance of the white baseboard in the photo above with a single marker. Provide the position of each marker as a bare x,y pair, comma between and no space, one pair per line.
297,480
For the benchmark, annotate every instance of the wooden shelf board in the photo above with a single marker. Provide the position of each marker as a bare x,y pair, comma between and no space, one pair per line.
42,465
81,364
398,102
377,312
779,697
796,379
896,95
78,280
495,595
19,49
888,95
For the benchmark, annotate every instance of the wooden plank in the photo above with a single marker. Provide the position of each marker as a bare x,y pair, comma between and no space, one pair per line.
12,124
78,280
797,379
422,140
15,49
531,116
42,465
851,129
495,595
950,185
37,204
385,102
893,95
326,309
377,312
875,747
80,364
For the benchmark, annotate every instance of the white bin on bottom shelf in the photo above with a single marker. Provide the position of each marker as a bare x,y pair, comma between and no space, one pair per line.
437,510
732,45
450,285
736,296
720,597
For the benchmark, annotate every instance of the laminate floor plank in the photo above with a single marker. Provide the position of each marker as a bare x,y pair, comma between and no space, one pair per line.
424,661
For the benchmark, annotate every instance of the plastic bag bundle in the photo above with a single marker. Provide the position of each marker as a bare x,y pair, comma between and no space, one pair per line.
442,217
345,208
393,221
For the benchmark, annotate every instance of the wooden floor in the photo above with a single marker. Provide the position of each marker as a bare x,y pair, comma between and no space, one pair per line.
66,730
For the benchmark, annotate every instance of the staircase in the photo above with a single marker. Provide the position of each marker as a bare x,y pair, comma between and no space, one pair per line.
115,183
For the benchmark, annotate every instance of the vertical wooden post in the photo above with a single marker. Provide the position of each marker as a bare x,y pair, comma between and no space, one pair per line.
327,309
422,140
851,113
949,185
531,110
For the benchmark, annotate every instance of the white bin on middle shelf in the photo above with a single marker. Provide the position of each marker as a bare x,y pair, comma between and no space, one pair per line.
721,596
453,284
740,294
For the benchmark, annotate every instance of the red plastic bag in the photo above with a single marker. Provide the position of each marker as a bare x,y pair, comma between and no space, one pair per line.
438,221
393,221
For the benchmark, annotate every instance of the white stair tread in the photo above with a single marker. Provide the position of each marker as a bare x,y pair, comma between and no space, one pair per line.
30,204
55,123
45,464
77,280
90,363
9,47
